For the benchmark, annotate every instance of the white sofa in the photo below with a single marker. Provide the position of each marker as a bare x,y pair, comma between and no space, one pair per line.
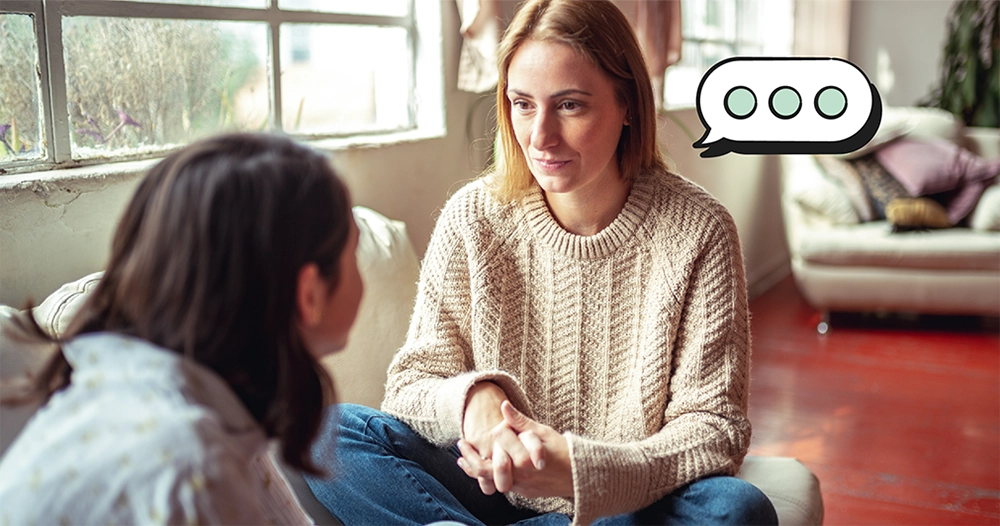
389,268
843,263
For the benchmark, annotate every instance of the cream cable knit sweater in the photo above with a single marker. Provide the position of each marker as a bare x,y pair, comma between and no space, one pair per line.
633,343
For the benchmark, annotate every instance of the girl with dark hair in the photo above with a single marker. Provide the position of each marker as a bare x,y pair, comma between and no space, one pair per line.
232,272
580,347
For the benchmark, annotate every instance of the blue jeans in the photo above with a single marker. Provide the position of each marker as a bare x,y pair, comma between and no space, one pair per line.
382,472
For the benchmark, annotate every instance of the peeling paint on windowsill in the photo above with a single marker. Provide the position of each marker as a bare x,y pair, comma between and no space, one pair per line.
61,187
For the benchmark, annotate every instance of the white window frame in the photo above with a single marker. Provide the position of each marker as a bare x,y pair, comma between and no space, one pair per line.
738,43
422,22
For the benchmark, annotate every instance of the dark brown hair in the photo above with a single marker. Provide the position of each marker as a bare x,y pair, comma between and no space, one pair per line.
205,261
599,32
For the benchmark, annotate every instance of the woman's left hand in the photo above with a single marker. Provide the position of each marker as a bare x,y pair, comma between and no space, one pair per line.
528,458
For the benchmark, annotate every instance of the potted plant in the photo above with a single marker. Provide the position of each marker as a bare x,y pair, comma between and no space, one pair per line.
969,86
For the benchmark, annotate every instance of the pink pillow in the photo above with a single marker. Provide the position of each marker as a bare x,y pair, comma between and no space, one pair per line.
935,166
931,166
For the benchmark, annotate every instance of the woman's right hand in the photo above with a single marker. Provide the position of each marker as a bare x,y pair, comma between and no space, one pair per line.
482,415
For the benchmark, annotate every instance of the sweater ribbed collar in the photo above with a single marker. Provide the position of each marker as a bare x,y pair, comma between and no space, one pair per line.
601,244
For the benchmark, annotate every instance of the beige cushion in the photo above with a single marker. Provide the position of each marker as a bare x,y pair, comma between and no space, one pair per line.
986,216
56,311
816,193
874,245
390,269
889,289
791,487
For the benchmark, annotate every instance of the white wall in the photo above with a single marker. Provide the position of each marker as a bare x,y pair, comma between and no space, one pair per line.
910,33
747,185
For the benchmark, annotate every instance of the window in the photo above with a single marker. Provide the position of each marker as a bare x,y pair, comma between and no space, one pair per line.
85,81
718,29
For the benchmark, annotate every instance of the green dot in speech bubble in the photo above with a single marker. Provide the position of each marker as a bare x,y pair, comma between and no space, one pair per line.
785,102
831,102
740,102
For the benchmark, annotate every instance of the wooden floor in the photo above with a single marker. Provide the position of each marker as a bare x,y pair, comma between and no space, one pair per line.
899,418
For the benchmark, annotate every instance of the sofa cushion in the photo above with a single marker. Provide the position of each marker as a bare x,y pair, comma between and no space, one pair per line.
55,312
390,270
807,185
986,215
880,186
909,213
912,122
932,166
874,245
847,177
789,485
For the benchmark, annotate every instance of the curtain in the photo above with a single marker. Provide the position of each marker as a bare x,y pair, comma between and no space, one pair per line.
822,28
657,24
477,63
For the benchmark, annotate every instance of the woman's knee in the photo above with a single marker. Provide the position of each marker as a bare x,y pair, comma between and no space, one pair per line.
351,416
729,500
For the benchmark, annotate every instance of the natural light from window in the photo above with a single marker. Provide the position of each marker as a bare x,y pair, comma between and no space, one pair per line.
136,78
718,29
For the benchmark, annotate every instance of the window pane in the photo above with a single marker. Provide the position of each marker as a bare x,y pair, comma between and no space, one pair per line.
141,85
328,87
353,7
681,84
710,19
221,3
20,122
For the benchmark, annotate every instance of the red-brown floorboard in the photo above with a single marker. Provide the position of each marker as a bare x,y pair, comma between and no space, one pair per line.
898,416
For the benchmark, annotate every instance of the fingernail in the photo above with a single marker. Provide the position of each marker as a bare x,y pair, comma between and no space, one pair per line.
541,464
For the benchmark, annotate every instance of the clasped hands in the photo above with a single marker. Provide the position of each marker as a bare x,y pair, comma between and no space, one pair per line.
508,452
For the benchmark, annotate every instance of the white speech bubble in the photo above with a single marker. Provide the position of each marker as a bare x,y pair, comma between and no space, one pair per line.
835,102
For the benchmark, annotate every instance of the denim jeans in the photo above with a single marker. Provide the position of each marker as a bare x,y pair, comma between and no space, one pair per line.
382,472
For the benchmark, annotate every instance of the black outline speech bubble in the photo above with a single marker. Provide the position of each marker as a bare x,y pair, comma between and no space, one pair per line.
850,144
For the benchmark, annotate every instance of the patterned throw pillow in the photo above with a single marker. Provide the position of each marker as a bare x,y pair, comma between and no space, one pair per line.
879,184
843,172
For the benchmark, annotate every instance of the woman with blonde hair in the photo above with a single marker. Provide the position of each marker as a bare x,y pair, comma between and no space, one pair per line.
579,348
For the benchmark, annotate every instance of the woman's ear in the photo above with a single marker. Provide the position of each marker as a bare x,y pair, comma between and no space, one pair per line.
310,295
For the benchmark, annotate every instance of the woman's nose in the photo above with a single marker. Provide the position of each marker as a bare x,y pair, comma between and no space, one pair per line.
545,133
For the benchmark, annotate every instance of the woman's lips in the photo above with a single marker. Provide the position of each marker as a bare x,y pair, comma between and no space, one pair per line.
549,164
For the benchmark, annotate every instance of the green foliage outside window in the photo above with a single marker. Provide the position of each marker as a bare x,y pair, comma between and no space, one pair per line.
19,129
131,84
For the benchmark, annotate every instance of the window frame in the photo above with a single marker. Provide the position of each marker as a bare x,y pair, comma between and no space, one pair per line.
736,44
422,23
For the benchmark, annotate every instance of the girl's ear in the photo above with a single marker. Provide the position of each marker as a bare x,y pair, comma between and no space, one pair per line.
310,295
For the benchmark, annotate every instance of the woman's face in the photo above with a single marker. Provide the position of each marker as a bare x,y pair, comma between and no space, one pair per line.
565,117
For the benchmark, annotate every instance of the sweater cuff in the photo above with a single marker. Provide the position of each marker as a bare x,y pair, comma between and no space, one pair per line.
450,409
608,479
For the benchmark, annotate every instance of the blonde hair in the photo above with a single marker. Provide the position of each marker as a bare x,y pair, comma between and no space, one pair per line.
599,32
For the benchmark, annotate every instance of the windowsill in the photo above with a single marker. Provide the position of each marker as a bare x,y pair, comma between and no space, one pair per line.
129,169
376,141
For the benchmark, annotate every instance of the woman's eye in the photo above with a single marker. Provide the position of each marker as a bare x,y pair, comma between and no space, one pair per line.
570,105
